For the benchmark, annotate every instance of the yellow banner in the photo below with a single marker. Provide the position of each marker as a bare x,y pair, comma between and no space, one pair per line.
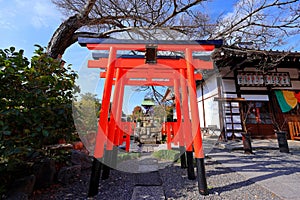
290,98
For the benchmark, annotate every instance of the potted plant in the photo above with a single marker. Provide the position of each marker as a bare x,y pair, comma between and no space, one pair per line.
245,135
281,135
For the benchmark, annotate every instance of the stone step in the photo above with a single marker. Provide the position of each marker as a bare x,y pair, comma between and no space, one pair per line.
148,168
148,185
148,192
147,160
148,179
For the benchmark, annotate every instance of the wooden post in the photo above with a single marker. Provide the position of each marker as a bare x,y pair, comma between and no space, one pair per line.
187,127
198,148
179,124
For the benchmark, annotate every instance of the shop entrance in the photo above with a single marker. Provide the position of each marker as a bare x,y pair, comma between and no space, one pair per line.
259,119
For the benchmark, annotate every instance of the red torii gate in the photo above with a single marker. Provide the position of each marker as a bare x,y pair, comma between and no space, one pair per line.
150,69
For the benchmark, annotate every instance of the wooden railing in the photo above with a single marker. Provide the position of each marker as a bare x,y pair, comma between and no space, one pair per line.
294,128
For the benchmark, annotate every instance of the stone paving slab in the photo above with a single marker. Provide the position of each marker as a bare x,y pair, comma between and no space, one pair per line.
148,179
148,192
148,183
275,171
148,168
209,143
258,144
148,160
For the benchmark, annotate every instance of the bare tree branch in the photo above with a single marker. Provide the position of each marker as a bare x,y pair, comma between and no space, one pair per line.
257,19
63,37
267,23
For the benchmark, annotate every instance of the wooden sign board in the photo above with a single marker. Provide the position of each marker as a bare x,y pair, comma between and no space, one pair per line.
274,79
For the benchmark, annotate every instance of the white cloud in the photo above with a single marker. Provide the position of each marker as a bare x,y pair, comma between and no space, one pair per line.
24,23
20,3
7,15
6,25
39,14
44,13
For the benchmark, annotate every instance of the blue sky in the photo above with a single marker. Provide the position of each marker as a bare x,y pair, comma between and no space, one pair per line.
24,23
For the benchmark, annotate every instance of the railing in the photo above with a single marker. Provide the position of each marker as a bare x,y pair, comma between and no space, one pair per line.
294,128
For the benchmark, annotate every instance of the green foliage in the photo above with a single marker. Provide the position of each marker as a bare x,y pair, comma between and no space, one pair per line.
169,155
35,105
86,111
123,156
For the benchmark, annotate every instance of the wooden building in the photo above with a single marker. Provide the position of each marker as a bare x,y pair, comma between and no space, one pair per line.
245,87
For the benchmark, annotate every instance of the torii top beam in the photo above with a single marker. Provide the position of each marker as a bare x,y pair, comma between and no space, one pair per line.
141,45
167,45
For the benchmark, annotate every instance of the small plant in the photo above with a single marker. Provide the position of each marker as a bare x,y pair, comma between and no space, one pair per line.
245,117
276,125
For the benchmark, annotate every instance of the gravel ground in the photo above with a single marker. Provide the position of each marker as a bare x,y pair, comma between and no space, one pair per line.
222,183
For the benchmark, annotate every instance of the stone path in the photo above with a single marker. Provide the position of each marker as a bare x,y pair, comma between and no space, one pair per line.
231,174
148,184
276,171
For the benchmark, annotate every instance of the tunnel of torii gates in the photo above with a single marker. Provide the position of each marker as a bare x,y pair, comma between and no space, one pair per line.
150,69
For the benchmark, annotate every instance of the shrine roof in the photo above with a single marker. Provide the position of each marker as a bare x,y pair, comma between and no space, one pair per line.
244,57
83,41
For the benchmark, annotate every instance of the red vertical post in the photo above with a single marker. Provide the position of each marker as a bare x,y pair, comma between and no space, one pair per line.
197,138
111,131
102,127
179,124
103,120
178,113
198,148
111,152
187,127
119,95
185,110
114,110
128,133
169,139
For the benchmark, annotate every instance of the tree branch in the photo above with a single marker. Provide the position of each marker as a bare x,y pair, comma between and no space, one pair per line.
250,14
87,8
175,12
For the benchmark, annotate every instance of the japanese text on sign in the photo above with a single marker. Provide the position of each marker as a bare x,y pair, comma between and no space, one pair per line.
279,79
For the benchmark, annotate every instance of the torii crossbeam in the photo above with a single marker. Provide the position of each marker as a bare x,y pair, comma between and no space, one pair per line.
149,70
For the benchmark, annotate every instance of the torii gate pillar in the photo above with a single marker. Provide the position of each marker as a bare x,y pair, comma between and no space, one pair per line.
172,71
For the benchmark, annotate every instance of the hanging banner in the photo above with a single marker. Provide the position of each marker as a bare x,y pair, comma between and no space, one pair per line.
282,102
297,95
290,98
274,79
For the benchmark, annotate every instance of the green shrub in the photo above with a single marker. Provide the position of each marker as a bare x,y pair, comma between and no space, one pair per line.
35,106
